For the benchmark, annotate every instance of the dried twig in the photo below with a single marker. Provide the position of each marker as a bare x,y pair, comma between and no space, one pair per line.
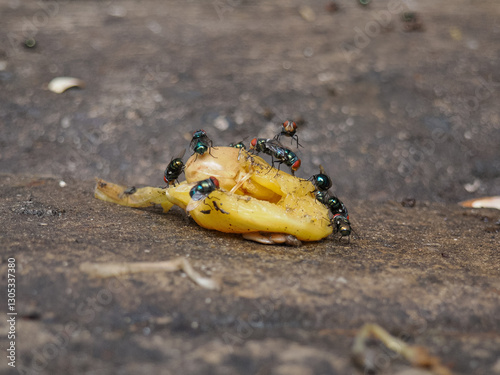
417,355
178,264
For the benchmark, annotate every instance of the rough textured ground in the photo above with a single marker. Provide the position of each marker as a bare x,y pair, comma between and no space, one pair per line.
391,114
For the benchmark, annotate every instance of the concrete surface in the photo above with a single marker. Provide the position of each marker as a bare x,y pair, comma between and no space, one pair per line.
391,114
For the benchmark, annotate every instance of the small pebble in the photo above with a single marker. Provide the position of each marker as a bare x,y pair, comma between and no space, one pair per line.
408,202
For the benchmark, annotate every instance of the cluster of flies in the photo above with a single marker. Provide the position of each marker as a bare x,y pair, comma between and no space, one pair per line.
201,143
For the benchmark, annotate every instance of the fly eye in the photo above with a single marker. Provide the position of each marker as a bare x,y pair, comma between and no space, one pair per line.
215,181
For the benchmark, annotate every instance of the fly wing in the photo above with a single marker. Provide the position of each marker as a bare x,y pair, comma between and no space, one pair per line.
195,201
276,147
181,154
274,143
198,196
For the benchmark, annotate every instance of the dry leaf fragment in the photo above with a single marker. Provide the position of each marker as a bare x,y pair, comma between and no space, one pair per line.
486,202
307,13
61,84
179,264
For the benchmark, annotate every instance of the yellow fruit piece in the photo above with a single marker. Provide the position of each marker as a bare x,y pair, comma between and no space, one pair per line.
266,200
252,197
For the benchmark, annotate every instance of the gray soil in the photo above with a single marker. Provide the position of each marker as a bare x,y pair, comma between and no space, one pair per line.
394,110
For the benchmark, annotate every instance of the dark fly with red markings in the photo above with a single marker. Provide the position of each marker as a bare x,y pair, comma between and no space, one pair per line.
174,169
289,129
277,151
200,191
239,145
322,182
200,143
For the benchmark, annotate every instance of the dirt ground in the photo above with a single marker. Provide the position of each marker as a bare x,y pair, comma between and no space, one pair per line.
397,100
